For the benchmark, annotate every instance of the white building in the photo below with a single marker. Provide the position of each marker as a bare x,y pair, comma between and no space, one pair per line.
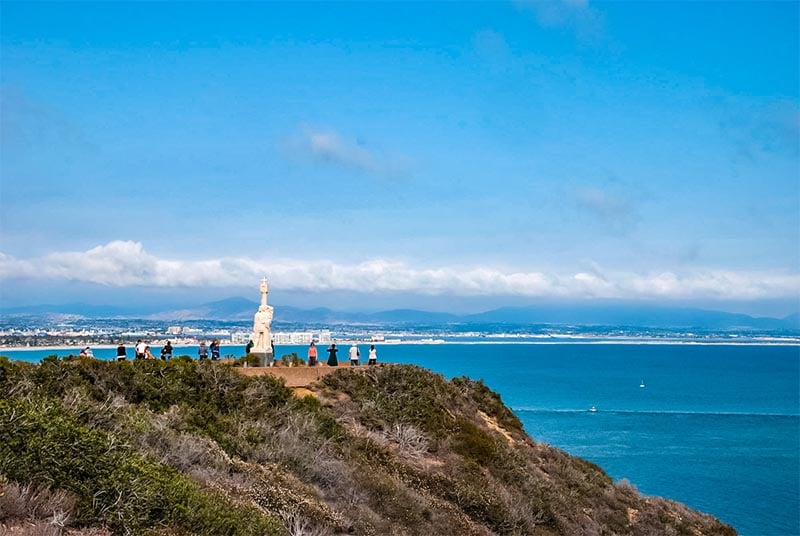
301,337
323,337
282,338
241,338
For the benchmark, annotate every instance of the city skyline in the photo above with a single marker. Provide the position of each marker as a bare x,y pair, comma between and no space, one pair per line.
438,156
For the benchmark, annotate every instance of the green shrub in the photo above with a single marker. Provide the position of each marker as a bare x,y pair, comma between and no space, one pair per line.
292,360
43,442
404,394
489,402
474,443
250,360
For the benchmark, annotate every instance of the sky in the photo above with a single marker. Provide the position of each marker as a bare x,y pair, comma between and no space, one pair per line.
368,155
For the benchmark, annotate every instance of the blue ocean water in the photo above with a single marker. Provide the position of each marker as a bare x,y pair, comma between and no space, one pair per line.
716,426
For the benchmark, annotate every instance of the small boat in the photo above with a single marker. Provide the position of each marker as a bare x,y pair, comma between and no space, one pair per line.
592,410
641,384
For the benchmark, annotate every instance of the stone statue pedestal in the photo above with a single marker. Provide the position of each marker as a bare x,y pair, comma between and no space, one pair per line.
265,359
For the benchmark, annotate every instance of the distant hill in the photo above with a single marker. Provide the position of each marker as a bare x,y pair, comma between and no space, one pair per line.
583,315
237,308
243,309
79,309
630,315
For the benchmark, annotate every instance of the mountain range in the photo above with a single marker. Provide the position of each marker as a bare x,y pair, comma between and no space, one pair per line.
596,314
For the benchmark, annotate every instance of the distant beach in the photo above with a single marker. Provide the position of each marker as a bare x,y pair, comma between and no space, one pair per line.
559,341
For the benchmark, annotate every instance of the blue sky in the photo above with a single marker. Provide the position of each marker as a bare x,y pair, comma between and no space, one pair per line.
441,155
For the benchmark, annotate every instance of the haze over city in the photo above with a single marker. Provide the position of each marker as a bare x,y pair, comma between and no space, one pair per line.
439,156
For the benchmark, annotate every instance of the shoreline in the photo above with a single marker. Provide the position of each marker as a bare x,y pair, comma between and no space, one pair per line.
445,343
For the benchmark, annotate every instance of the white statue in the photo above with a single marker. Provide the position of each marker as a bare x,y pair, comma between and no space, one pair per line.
262,336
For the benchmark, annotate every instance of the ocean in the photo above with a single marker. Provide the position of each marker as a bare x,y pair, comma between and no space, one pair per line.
715,426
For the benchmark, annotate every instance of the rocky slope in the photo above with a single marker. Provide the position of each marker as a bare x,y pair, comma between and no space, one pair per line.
91,447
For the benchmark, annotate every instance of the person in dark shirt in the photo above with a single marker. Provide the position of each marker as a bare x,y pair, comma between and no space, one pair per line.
215,349
332,361
202,352
166,351
122,354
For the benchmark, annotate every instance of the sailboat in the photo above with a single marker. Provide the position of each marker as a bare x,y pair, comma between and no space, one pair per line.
641,384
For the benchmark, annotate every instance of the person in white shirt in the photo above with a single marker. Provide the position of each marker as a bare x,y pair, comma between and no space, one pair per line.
354,355
140,348
373,355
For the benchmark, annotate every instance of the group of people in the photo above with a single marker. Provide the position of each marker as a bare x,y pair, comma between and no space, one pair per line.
202,351
354,354
142,351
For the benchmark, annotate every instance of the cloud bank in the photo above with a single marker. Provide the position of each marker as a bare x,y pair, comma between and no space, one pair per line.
127,263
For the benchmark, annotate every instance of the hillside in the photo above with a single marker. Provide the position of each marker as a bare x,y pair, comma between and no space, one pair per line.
571,314
196,448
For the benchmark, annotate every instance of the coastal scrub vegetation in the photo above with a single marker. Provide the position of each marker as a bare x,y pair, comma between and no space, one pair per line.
185,447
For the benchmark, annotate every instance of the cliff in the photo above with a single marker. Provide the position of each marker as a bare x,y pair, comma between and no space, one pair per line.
92,447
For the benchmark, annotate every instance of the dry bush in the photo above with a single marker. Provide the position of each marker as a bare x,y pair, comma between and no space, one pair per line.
265,395
411,443
218,378
181,450
293,441
37,505
23,388
39,528
97,414
299,525
626,485
184,452
358,430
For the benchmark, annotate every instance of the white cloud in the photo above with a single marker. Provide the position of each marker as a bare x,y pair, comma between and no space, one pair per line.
757,128
611,208
328,146
578,14
492,46
125,263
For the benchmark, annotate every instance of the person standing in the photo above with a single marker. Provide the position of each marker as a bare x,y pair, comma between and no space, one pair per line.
202,351
249,347
373,355
215,350
312,355
332,361
122,354
166,351
139,349
354,355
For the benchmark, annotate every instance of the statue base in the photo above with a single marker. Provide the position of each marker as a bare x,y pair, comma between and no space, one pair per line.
265,359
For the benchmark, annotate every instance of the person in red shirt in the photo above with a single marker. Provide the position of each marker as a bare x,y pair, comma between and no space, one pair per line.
312,355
